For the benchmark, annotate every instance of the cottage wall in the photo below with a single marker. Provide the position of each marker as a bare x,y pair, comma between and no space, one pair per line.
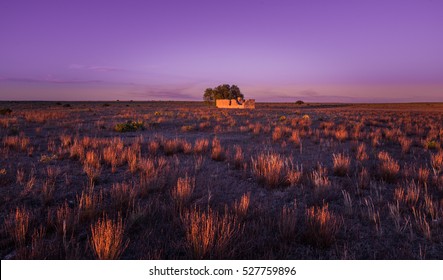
233,104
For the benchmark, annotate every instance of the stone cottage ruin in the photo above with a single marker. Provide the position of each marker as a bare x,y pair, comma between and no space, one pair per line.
235,103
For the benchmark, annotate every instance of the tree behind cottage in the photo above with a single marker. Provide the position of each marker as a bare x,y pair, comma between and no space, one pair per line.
222,92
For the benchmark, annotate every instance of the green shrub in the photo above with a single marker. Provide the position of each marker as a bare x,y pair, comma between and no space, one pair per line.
431,145
5,111
129,126
299,102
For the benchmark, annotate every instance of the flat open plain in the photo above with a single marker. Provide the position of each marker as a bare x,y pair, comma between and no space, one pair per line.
184,180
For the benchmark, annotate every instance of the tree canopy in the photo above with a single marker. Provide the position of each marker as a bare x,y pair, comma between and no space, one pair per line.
222,92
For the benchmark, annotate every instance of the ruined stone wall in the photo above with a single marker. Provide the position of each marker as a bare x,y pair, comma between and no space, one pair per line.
249,104
233,104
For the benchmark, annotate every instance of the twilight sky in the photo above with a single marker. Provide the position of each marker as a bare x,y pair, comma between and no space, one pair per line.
274,50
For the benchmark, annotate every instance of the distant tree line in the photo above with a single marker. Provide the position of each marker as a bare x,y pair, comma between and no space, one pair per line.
222,92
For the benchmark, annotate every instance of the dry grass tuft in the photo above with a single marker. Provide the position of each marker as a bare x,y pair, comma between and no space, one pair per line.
217,150
295,138
437,162
183,190
405,144
294,175
17,142
107,238
238,157
423,175
363,178
373,214
88,204
64,219
421,223
172,146
241,207
277,134
361,153
322,226
17,225
92,167
209,234
341,163
270,168
319,178
201,146
341,134
388,167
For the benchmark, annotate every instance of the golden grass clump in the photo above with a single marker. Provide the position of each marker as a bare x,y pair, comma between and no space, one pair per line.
153,147
183,190
295,138
113,154
64,219
187,147
405,144
256,128
107,238
341,164
92,166
408,194
241,207
152,174
361,153
437,162
341,134
217,150
77,150
423,175
131,155
270,168
88,204
238,157
294,175
209,234
65,140
17,225
172,146
319,178
277,134
388,167
17,142
322,226
42,117
201,145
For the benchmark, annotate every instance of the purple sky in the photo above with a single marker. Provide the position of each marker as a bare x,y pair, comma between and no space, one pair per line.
324,51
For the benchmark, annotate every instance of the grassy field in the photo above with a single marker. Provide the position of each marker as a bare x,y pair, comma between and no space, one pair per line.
182,180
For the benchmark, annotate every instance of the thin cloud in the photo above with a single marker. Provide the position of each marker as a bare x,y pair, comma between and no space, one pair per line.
96,68
164,93
49,79
309,92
